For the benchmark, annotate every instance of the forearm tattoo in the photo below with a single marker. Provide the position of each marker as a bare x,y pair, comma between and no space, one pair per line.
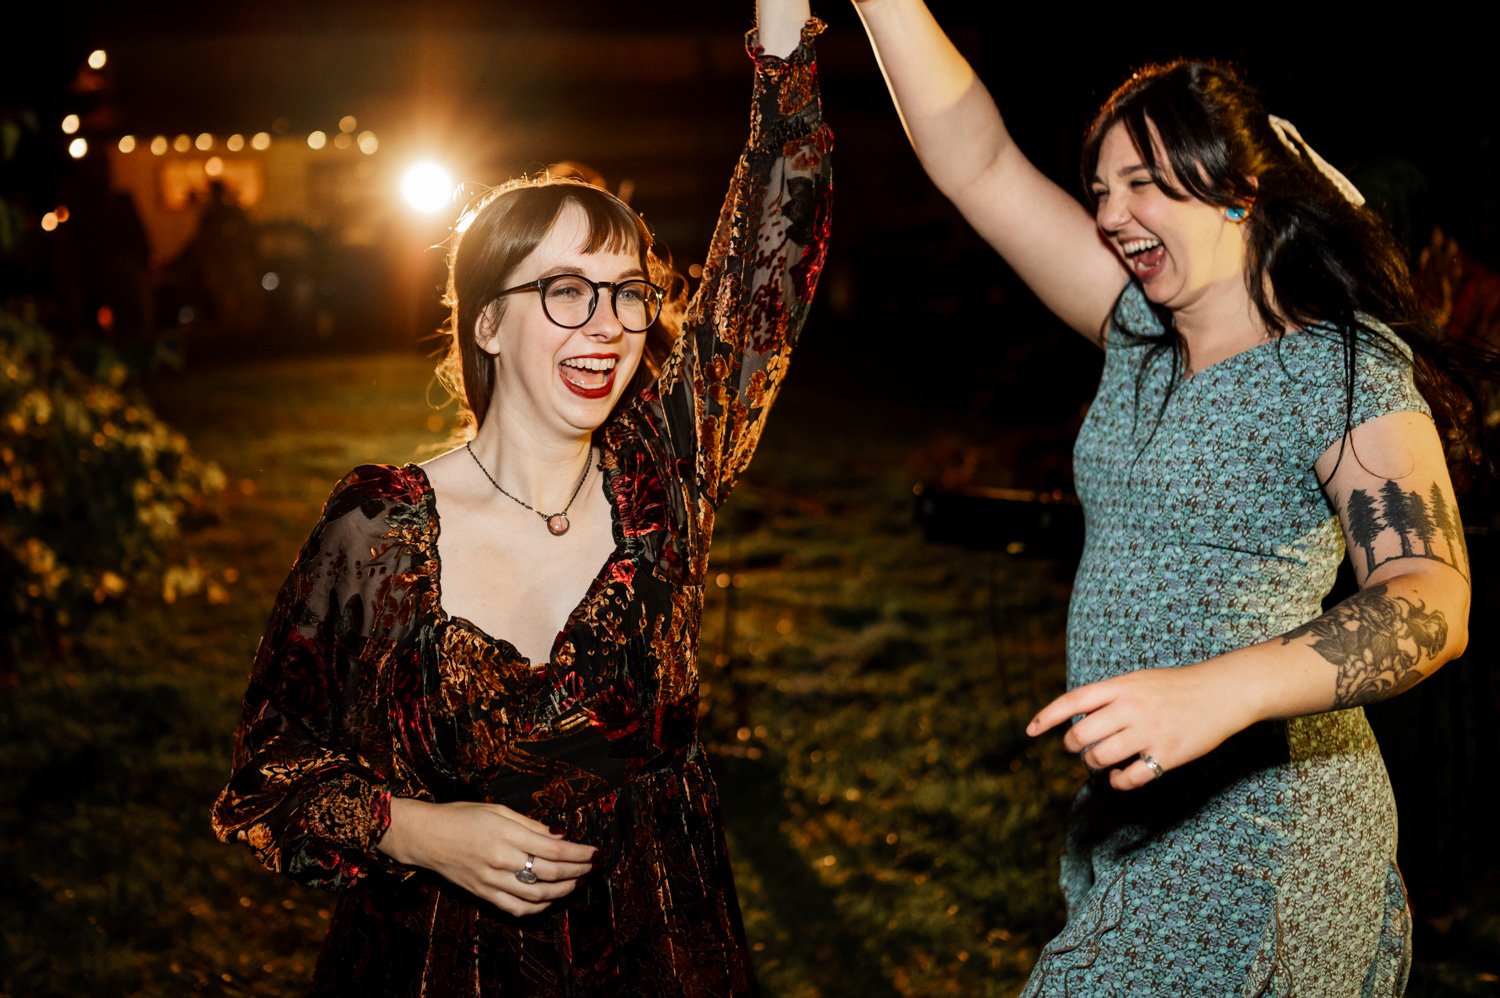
1376,643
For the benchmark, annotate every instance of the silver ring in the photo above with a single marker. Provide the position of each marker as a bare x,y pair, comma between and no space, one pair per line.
525,874
1151,764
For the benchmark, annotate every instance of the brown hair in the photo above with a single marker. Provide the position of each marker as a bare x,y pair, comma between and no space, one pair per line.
496,232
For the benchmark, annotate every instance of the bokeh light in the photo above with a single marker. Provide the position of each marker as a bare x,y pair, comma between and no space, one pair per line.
127,143
348,124
98,58
182,143
235,142
159,146
368,143
78,148
342,141
204,142
214,167
261,141
70,124
49,221
427,187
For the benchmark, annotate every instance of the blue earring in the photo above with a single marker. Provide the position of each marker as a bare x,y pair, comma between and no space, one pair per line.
1238,213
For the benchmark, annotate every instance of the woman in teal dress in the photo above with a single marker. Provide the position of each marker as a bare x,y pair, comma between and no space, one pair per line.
1258,416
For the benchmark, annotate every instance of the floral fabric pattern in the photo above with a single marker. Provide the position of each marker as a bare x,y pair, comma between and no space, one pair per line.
363,688
1268,866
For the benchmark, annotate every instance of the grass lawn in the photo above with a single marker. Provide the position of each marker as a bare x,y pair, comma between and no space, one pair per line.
894,831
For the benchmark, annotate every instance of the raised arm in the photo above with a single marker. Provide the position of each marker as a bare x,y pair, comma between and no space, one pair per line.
778,25
1047,236
1390,485
763,264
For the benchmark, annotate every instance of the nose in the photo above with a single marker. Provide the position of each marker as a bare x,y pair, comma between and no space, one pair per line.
604,324
1111,214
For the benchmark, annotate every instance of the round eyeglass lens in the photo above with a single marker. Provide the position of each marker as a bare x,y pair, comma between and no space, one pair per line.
636,305
569,300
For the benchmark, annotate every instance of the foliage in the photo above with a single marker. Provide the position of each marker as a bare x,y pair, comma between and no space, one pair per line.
94,490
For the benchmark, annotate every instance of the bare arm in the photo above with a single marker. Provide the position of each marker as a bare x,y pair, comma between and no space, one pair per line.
1044,234
1395,502
778,23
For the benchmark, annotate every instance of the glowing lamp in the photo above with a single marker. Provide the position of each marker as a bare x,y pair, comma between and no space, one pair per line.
427,187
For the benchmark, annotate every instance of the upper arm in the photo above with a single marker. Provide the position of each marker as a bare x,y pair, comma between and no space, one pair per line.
1388,482
1047,237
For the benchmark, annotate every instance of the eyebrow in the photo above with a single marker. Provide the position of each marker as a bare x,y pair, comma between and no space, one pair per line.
568,268
1125,172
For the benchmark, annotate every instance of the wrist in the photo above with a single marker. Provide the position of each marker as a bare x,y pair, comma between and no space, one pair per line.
400,834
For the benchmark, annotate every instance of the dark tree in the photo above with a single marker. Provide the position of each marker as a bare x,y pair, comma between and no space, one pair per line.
1446,523
1365,525
1421,523
1397,514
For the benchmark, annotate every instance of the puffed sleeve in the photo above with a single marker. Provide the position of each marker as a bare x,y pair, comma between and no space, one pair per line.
308,791
763,264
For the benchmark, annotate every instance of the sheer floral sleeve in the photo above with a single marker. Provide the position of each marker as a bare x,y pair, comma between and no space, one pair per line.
763,264
307,794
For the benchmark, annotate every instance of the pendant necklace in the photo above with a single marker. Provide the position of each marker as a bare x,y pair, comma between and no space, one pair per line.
557,523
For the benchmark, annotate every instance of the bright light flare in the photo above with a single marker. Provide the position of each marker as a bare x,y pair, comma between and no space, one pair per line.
427,187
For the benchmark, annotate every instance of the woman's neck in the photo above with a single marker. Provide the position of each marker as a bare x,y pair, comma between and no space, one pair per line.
1220,325
541,471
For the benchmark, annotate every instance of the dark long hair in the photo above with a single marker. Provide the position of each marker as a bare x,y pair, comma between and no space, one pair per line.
1313,257
497,231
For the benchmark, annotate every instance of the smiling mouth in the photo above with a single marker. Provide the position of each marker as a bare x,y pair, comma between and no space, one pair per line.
1145,256
590,377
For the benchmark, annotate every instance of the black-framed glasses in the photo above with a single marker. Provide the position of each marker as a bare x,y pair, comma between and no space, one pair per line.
570,299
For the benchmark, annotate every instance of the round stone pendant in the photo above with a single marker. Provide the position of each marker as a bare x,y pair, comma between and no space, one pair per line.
557,524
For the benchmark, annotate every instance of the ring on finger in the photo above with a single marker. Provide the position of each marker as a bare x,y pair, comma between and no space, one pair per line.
526,874
1153,765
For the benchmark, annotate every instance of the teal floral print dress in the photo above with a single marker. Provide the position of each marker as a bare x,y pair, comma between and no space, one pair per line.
1268,866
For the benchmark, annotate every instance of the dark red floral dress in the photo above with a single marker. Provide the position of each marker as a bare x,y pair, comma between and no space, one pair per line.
364,688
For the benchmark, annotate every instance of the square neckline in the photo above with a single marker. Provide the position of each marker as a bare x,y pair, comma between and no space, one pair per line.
510,654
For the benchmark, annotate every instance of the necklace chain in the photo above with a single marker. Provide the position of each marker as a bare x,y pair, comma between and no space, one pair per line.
557,523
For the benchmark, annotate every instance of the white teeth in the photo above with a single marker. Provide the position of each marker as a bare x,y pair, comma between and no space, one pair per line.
591,363
1133,246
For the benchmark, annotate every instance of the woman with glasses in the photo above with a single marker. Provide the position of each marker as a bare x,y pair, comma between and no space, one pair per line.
475,710
1257,414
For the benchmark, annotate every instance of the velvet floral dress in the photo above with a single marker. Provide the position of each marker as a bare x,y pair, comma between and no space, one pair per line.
364,688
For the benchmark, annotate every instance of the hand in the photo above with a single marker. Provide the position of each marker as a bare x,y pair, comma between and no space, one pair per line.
480,847
1172,715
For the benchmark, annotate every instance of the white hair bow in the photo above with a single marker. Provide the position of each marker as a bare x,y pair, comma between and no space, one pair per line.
1297,146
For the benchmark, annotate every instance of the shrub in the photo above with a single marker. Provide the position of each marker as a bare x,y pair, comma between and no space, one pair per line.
94,490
